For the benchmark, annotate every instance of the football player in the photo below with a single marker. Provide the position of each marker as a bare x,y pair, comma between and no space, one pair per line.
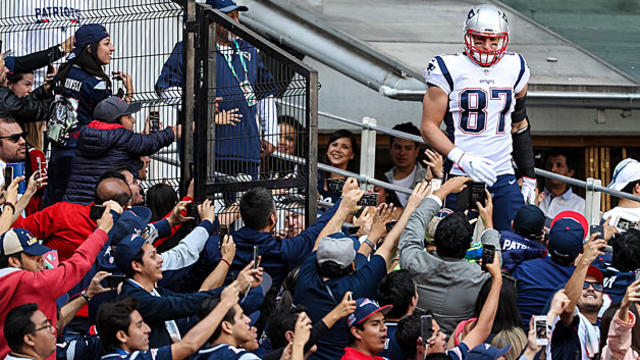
481,96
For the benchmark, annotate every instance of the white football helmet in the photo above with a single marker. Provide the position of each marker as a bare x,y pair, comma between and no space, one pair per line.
487,21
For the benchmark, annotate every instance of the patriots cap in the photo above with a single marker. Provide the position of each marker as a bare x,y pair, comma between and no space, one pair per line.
364,309
127,250
133,220
88,34
529,220
567,234
112,108
20,240
226,6
486,352
627,171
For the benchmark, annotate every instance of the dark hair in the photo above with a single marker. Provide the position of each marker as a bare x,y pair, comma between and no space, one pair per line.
570,160
4,259
88,62
121,198
332,270
407,128
289,286
138,258
453,235
301,141
256,205
18,323
206,307
407,334
353,165
15,77
161,198
282,319
397,289
630,186
626,250
352,339
507,315
392,197
113,317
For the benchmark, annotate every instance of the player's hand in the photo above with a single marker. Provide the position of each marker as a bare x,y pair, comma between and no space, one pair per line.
478,168
528,190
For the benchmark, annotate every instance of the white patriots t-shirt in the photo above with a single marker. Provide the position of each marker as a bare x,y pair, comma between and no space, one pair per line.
481,100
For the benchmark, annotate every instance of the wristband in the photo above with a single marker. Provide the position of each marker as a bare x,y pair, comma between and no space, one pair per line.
455,154
368,242
85,296
225,261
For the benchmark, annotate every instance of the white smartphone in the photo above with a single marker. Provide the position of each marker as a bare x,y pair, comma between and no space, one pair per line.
540,325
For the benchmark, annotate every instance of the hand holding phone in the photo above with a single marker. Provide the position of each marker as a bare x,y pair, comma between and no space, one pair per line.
96,211
112,281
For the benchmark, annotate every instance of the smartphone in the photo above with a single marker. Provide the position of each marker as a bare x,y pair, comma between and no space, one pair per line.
154,120
8,176
39,167
96,211
112,281
369,199
192,211
488,253
597,229
540,324
467,198
255,256
335,185
426,328
637,274
624,224
350,297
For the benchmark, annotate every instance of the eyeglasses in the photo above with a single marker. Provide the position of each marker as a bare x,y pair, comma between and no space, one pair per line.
596,286
48,326
15,137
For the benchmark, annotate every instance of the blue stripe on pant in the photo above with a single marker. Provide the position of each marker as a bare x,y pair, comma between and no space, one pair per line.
507,200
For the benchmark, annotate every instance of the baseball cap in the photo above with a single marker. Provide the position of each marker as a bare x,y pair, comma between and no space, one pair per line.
592,270
529,220
336,247
20,240
226,6
111,108
127,250
364,309
88,34
567,234
133,220
627,170
486,352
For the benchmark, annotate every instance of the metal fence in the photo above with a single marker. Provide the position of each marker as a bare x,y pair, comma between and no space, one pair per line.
143,32
242,84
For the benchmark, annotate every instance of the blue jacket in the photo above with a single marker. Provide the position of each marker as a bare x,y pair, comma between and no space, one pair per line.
242,141
516,249
279,256
84,91
103,146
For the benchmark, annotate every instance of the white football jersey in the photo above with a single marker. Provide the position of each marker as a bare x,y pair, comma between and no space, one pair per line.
481,99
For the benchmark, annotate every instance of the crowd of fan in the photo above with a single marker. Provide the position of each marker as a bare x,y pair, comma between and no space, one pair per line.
140,278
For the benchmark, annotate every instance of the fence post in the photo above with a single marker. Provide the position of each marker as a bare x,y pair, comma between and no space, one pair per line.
188,94
592,201
368,150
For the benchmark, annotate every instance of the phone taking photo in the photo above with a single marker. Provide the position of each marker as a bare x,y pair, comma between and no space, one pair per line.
540,326
8,176
96,211
426,328
154,120
255,256
488,253
112,281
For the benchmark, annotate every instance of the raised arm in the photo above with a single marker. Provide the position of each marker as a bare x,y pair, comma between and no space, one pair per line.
350,196
216,277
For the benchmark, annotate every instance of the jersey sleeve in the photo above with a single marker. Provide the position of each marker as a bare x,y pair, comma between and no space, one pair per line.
523,74
437,74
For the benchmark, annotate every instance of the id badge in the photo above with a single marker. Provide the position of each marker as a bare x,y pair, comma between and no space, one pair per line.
248,93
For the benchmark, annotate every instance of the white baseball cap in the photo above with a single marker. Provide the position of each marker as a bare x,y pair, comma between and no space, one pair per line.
627,170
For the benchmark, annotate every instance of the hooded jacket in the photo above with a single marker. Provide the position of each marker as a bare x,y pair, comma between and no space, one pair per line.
104,146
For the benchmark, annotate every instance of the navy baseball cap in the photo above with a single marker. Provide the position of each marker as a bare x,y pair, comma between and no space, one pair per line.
364,309
127,250
19,240
133,220
529,220
112,108
88,34
486,352
226,6
567,234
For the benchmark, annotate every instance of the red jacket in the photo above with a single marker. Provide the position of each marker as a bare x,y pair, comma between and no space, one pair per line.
353,354
20,287
62,226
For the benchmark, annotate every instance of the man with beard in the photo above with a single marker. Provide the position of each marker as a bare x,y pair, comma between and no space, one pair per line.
576,332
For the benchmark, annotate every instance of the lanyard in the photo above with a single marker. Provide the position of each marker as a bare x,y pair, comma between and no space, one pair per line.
228,58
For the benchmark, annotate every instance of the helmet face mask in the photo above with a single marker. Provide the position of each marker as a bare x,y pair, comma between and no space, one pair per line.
486,21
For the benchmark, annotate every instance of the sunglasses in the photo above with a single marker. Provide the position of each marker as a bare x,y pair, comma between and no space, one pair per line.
596,286
15,137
